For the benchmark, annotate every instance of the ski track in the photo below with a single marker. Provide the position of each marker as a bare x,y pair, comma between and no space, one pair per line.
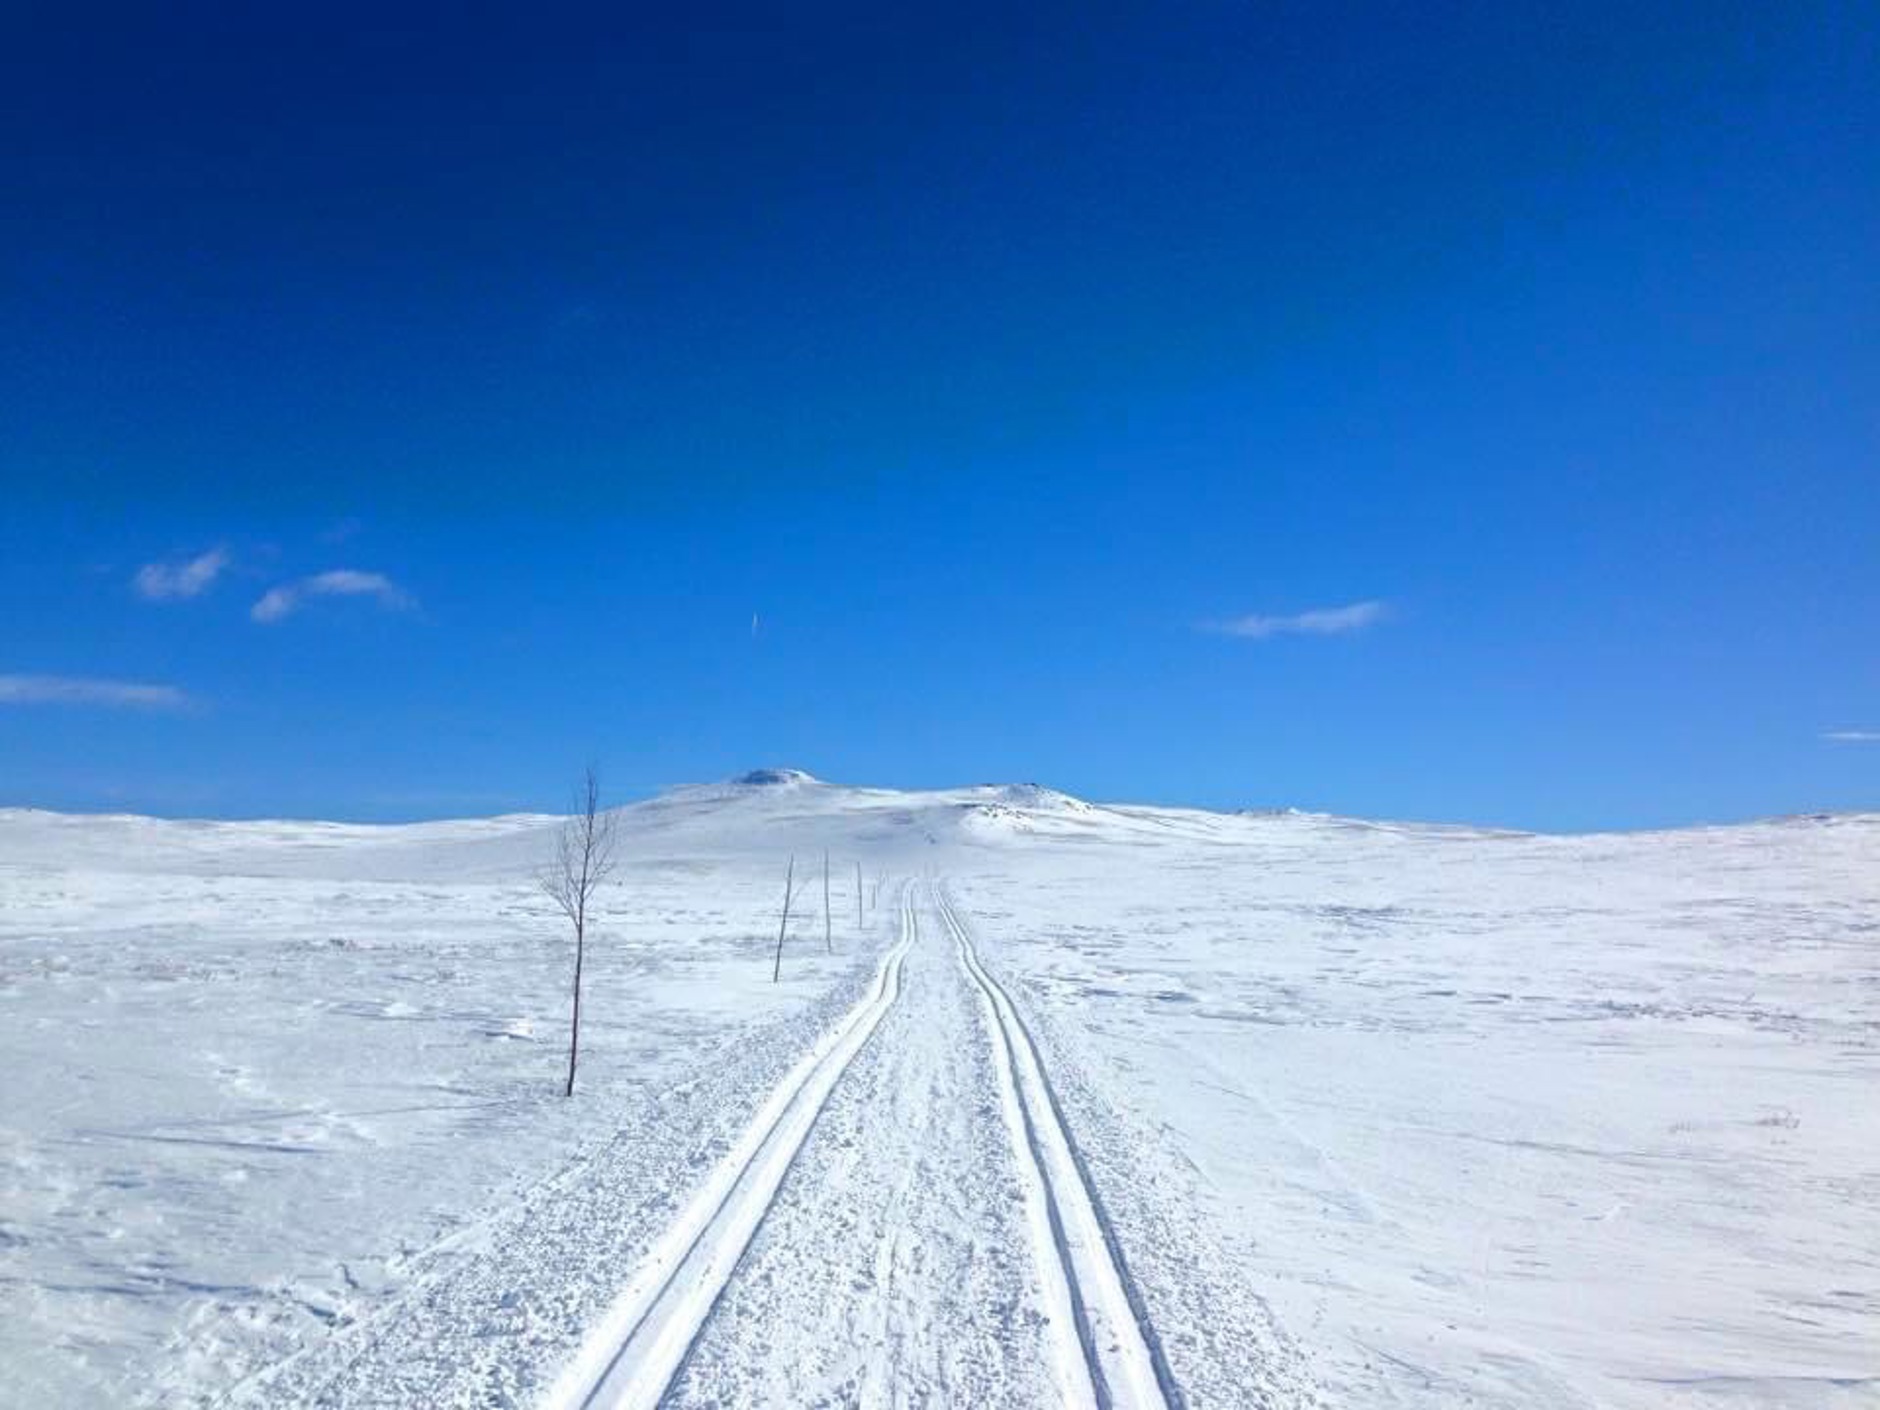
1115,1360
900,1232
631,1357
1101,1347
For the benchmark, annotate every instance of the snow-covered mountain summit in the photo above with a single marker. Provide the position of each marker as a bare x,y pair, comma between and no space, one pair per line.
775,778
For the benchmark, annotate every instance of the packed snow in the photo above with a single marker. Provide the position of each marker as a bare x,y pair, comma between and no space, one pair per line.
1067,1103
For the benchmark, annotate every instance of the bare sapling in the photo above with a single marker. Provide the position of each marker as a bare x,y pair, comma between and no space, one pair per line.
829,942
584,858
858,896
789,877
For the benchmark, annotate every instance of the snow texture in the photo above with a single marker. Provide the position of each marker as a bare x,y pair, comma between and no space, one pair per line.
1084,1105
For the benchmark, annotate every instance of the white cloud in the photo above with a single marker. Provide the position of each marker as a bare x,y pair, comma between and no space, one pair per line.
1320,621
162,581
1853,736
279,602
87,690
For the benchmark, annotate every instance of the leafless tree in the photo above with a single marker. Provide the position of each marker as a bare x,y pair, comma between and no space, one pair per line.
584,857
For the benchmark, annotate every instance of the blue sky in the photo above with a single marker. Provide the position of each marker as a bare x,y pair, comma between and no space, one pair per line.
1413,411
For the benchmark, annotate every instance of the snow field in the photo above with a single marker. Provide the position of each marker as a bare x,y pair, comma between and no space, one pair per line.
1101,1105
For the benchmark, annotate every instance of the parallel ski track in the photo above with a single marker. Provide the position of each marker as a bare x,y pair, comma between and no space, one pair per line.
631,1357
1116,1361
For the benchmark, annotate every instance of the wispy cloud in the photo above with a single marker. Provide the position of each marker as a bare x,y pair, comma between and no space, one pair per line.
1320,621
1852,736
161,582
282,601
89,690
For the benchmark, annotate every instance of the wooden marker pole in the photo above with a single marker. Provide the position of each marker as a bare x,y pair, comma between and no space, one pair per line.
776,969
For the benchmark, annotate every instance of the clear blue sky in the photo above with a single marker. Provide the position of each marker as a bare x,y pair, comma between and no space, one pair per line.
1461,413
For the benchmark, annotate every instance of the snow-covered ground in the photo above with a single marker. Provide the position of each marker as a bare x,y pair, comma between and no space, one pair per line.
1159,1105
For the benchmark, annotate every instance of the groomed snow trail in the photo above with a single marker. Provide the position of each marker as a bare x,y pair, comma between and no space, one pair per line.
907,1221
1112,1360
630,1358
895,1268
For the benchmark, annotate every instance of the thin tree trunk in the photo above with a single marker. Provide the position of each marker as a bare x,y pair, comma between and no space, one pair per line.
776,969
829,942
574,1026
858,896
584,857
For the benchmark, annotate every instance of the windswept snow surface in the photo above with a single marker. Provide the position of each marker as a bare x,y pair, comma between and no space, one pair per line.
1078,1105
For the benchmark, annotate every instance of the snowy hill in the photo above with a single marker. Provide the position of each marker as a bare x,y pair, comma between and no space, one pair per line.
1351,1112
